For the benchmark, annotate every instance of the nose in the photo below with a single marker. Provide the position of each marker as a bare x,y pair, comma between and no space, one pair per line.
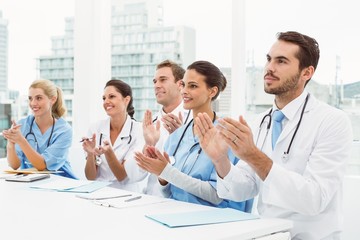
269,66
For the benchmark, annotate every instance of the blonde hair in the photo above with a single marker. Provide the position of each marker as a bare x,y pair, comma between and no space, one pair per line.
51,90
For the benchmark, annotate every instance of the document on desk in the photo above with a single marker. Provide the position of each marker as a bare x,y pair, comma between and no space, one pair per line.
133,200
212,216
72,185
30,170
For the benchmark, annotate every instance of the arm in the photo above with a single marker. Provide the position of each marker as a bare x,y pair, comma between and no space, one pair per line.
197,187
324,153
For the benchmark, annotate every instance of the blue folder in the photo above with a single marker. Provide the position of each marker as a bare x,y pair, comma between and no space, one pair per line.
212,216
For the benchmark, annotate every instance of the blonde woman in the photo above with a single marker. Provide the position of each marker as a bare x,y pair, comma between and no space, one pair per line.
42,139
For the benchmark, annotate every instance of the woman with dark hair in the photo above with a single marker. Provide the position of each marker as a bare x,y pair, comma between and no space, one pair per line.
184,171
110,149
42,139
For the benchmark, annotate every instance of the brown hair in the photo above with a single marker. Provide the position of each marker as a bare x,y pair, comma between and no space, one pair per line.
176,69
125,90
309,52
213,76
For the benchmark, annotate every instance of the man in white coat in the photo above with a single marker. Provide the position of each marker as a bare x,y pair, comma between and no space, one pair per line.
300,177
167,86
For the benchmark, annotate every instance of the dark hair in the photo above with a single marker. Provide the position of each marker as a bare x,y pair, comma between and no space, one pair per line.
176,69
309,52
213,76
125,90
50,89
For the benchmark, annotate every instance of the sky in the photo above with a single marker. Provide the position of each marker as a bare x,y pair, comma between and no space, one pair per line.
334,23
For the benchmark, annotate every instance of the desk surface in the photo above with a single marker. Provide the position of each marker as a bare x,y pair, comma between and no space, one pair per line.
27,213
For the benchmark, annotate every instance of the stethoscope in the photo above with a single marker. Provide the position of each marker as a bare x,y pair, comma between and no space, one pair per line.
187,117
98,160
32,133
178,145
268,116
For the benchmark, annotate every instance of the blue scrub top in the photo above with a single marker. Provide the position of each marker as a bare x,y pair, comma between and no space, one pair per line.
191,160
56,154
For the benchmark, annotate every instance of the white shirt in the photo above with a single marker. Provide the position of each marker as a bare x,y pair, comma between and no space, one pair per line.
123,149
306,188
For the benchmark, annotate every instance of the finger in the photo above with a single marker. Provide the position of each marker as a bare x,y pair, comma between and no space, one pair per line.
158,125
198,132
199,129
180,118
167,157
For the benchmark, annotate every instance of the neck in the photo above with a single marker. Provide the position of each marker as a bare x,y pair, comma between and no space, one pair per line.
44,122
282,100
171,107
116,124
209,112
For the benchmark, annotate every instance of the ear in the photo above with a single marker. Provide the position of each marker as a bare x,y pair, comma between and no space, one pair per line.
180,84
307,73
53,100
213,91
127,100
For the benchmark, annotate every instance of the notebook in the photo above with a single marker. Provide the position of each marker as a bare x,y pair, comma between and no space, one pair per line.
27,177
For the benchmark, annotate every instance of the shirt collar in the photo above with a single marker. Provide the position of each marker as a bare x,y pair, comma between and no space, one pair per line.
292,107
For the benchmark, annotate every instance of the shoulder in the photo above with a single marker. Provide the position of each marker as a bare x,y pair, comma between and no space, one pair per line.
62,125
324,111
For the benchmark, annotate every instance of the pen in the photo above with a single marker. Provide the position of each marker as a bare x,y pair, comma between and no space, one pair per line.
132,199
101,135
102,198
85,139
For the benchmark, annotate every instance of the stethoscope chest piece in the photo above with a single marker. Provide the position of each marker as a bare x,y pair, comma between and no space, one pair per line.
285,157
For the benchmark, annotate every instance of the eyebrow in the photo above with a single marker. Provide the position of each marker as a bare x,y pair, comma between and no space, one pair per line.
278,57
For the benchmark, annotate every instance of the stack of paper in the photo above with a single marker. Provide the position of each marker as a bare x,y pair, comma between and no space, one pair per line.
26,177
71,185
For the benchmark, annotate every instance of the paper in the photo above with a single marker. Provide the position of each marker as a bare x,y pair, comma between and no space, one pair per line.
30,170
105,193
130,201
212,216
26,177
72,185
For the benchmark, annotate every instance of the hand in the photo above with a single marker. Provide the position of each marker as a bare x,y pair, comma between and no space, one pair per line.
209,138
153,160
89,144
238,136
151,131
13,134
171,122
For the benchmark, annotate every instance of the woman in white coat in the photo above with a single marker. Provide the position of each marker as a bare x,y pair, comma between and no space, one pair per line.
112,142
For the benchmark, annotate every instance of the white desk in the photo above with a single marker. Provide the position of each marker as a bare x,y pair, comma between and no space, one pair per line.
27,213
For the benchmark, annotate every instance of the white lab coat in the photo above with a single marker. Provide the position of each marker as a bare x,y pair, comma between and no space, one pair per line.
307,188
123,150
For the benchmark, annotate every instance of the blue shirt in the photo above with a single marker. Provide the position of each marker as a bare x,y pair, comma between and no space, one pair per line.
56,154
191,160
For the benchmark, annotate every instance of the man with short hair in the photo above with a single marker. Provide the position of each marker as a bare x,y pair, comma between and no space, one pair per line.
167,85
297,163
